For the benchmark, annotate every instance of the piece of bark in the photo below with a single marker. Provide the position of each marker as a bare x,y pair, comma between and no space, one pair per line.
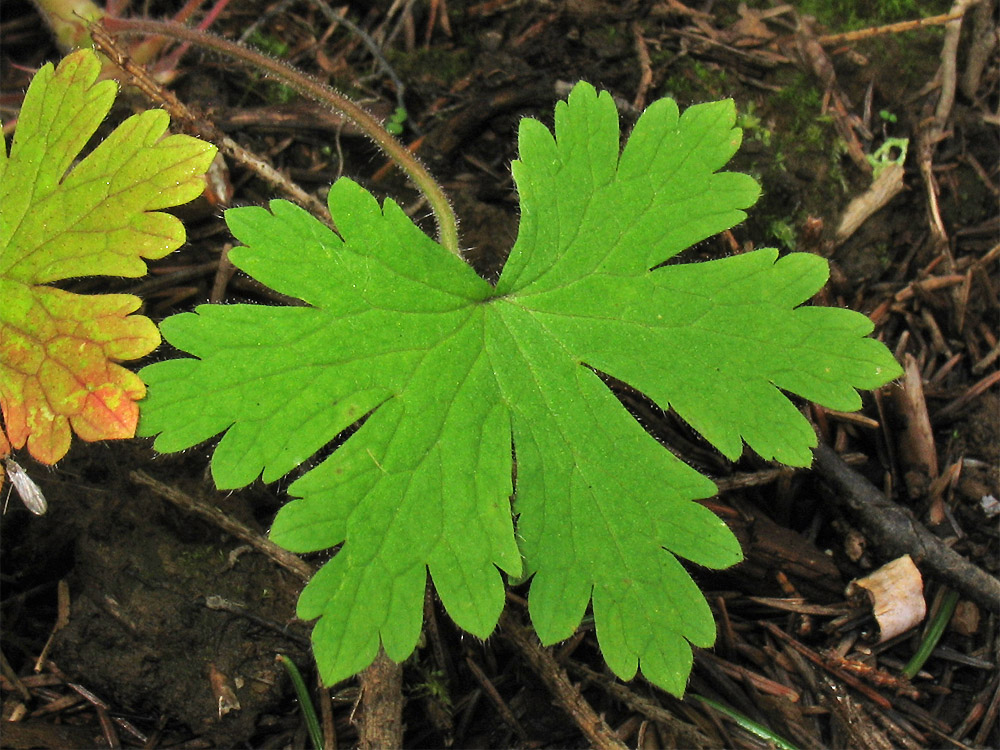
896,532
382,699
769,547
886,187
917,452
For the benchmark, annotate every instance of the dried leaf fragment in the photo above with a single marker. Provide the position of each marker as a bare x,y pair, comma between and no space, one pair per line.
896,594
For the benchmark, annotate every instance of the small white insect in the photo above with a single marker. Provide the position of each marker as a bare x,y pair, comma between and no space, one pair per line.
30,493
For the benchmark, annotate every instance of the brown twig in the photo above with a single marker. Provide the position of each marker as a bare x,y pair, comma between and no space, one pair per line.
200,126
951,410
327,724
933,131
759,682
594,728
688,735
213,515
312,88
753,478
846,677
886,186
645,68
13,679
928,285
897,532
498,702
892,28
835,101
917,450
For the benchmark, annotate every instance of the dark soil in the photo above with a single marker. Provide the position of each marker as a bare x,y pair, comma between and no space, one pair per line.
173,624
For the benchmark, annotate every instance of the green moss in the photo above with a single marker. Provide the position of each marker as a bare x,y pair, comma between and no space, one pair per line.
692,81
846,15
783,233
269,90
795,153
753,126
790,146
800,101
437,63
882,254
268,43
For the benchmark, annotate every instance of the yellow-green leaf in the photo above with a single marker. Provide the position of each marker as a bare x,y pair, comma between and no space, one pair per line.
100,217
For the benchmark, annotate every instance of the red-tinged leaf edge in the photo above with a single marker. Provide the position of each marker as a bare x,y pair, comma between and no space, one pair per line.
66,379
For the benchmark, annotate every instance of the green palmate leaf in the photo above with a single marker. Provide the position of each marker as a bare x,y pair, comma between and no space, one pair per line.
454,383
58,350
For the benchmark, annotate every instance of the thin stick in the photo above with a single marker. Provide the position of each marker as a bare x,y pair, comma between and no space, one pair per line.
213,515
326,715
334,18
312,88
688,735
494,695
179,112
597,732
873,695
897,532
645,68
892,28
